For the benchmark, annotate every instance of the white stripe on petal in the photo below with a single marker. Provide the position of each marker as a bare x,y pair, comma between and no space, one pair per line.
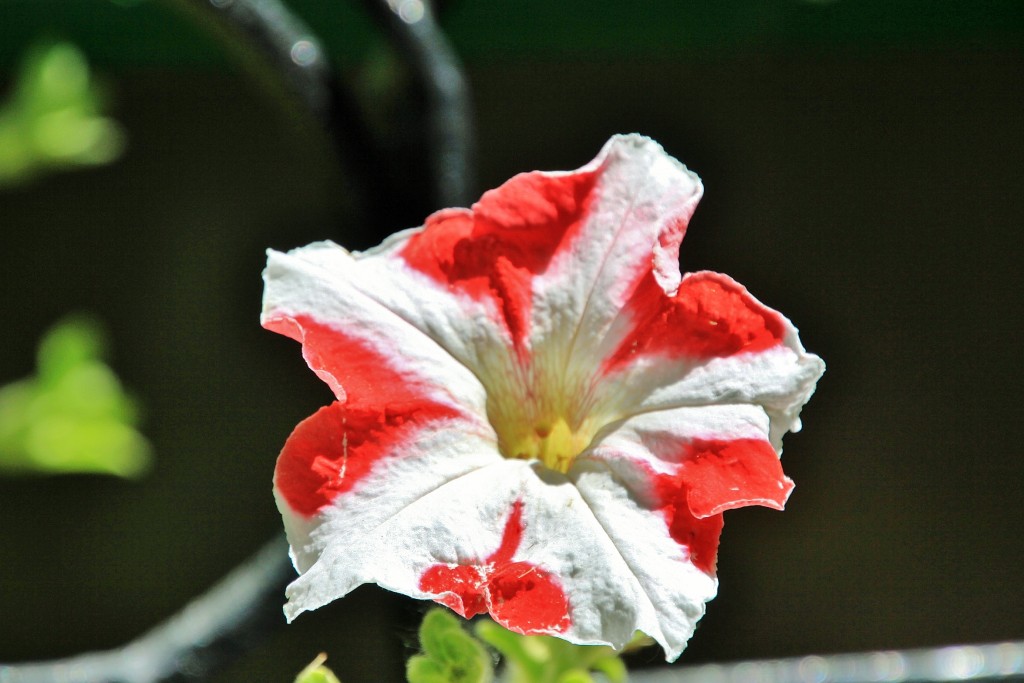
340,547
674,591
642,202
325,282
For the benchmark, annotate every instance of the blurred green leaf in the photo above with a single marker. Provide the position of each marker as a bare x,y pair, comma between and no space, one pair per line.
546,659
73,416
316,672
450,654
76,340
53,120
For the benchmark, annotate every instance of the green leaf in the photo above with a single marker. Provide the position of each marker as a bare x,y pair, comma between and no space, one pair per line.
450,654
423,669
74,415
547,659
76,340
613,668
316,672
525,659
575,676
53,119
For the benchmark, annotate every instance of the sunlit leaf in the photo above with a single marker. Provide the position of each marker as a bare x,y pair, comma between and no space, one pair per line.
546,659
73,416
450,654
52,119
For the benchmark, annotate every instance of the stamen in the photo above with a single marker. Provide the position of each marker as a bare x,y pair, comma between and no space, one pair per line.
553,442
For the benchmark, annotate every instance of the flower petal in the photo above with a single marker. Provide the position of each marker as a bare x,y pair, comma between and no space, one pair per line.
557,553
343,543
708,316
540,554
314,295
692,464
668,590
575,243
518,593
720,475
546,261
376,295
633,223
710,342
510,236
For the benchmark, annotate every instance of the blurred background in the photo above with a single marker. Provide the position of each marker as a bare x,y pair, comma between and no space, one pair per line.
863,169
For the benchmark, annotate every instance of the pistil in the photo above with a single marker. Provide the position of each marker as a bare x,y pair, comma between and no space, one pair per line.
552,442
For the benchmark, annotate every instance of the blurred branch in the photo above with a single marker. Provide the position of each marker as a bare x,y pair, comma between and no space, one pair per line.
993,662
449,113
275,45
207,634
284,54
289,61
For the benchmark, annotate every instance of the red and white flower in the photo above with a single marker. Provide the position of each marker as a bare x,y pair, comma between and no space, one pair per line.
536,416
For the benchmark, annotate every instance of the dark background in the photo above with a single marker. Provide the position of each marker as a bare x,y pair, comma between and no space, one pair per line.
863,173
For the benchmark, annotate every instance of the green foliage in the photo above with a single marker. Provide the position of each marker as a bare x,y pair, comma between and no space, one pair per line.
52,119
545,659
73,416
316,672
450,654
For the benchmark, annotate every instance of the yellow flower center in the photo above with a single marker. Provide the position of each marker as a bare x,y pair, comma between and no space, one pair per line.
540,414
552,442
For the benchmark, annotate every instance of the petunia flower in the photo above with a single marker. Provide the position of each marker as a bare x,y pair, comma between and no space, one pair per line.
536,416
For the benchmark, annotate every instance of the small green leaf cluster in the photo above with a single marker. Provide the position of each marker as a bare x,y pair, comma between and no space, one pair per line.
450,654
73,416
546,659
52,120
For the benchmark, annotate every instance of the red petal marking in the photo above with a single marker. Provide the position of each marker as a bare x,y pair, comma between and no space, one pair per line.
331,450
722,475
700,536
461,588
355,364
511,537
526,599
494,250
710,316
519,595
715,476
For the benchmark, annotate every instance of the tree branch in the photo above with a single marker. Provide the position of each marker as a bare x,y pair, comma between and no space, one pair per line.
204,636
281,53
449,116
274,45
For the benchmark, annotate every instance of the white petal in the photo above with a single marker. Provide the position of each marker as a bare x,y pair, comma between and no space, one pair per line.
339,548
326,283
